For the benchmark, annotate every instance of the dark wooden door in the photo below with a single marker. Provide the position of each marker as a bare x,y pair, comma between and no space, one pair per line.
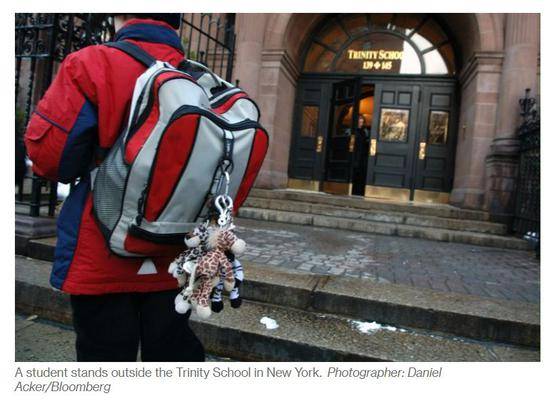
393,140
342,136
434,164
309,132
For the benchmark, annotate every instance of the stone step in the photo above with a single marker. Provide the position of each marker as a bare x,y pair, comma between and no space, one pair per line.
385,228
458,314
439,210
40,340
308,336
373,215
300,336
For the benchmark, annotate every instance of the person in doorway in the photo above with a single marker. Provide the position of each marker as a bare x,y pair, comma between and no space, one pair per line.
362,129
360,156
118,304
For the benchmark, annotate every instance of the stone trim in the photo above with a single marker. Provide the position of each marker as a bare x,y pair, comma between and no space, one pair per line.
287,64
488,62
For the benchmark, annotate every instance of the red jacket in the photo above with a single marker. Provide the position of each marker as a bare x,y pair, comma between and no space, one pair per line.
85,107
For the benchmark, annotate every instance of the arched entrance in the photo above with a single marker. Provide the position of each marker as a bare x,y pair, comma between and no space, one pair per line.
375,110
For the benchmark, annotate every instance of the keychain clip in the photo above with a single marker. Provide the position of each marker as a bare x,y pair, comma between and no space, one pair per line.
223,202
226,174
224,205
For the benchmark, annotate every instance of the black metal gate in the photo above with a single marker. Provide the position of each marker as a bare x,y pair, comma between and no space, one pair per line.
527,215
42,41
210,39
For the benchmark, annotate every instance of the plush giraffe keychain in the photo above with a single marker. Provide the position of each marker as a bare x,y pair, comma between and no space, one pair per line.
209,266
238,273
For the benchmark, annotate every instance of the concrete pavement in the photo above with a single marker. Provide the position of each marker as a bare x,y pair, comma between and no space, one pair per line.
448,267
39,340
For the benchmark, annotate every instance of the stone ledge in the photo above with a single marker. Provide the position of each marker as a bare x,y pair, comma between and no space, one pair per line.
34,226
301,336
390,229
438,210
380,216
464,315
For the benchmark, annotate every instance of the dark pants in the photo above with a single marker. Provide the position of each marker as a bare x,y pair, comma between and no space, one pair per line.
111,328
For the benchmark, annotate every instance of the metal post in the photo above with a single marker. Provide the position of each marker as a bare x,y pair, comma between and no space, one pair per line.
35,196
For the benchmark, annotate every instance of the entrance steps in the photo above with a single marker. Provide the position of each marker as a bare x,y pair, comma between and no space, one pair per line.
424,221
321,318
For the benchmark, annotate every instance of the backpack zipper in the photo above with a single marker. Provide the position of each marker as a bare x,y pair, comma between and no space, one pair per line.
183,110
188,109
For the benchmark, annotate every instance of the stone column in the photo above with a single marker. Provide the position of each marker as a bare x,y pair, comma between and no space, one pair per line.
250,30
519,71
278,77
480,81
268,74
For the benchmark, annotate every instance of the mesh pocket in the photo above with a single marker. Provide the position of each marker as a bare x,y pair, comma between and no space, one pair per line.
108,190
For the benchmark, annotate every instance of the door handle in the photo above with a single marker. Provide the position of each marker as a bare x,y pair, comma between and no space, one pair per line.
319,146
351,144
372,150
422,151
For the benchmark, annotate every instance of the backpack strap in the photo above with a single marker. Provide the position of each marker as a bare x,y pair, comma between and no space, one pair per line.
135,51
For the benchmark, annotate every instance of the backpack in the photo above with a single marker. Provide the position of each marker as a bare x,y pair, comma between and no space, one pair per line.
185,130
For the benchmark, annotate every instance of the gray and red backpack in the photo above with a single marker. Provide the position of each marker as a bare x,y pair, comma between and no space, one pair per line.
185,128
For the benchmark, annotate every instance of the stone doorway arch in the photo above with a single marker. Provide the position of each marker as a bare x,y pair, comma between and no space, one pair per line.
479,38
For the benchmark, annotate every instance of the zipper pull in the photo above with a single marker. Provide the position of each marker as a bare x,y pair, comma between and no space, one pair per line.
139,216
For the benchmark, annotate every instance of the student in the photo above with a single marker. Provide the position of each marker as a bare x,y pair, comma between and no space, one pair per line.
118,304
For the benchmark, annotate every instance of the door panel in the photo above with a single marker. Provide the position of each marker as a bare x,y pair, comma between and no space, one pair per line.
309,128
393,138
342,136
437,137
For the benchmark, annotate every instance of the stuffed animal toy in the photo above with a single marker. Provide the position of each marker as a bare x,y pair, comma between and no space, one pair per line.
209,268
196,243
234,296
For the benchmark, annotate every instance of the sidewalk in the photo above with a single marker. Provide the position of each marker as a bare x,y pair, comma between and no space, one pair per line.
39,340
449,267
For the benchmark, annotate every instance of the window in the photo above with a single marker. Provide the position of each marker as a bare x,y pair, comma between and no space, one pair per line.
438,127
381,44
343,116
310,120
379,53
394,125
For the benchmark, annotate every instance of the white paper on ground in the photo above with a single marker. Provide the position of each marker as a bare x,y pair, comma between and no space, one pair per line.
369,327
269,323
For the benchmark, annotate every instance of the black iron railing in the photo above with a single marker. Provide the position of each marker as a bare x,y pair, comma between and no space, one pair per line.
42,41
210,39
527,214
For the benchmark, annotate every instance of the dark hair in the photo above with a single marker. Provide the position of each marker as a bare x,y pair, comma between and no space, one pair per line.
174,19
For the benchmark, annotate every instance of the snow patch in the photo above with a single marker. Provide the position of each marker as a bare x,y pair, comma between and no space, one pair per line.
370,327
269,323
